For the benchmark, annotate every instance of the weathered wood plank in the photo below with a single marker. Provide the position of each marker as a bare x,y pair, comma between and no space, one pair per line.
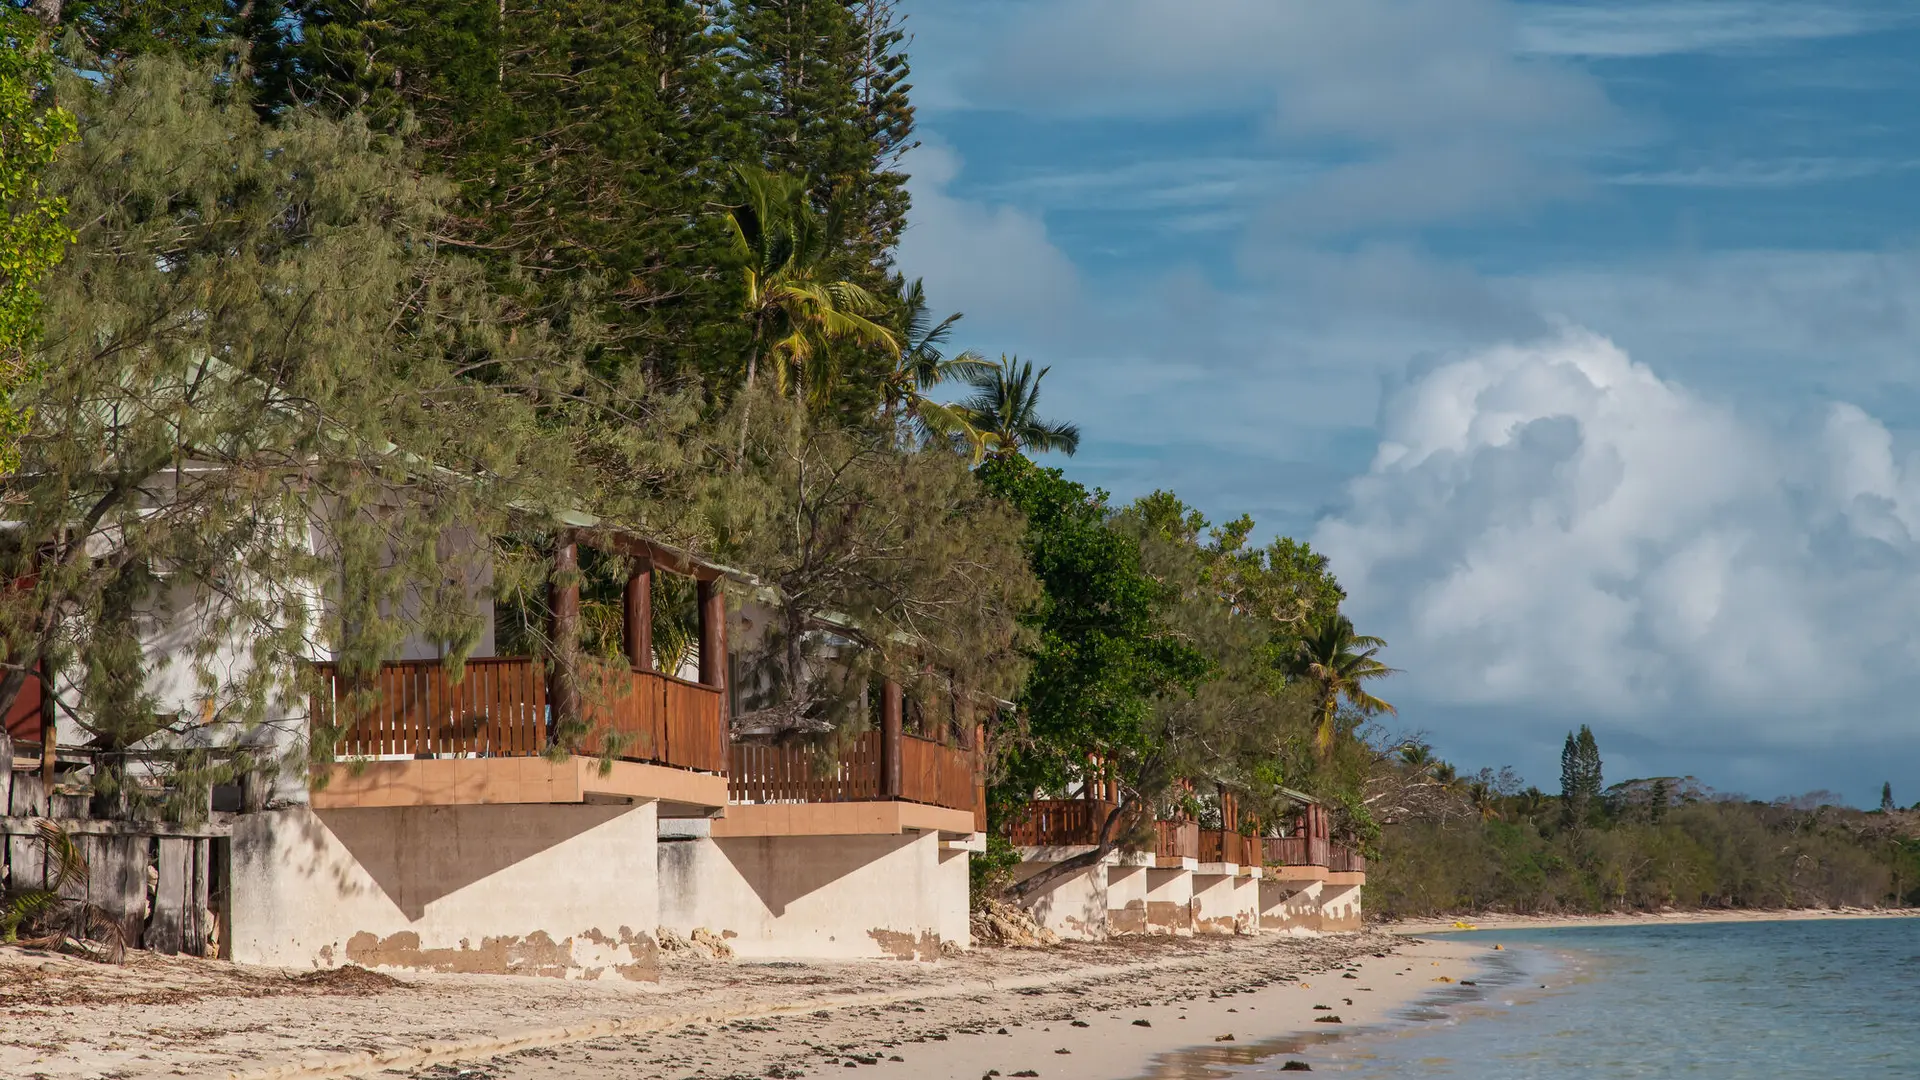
117,881
167,925
6,767
24,855
200,893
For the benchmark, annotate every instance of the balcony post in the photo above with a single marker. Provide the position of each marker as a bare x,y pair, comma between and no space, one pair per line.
639,612
890,734
713,633
563,601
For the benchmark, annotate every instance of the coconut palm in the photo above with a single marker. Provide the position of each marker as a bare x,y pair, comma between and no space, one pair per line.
1005,409
1342,662
923,365
797,298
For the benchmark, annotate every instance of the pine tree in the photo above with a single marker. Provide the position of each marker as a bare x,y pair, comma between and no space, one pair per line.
1657,800
1886,798
1591,781
1572,800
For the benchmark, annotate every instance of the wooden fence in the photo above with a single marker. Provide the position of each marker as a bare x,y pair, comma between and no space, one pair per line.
161,885
930,772
1061,823
1176,839
499,708
1297,850
1345,860
1221,846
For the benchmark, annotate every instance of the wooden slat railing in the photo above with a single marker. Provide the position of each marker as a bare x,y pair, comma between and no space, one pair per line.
1220,846
1176,839
499,709
1061,823
930,772
765,773
1297,850
1345,860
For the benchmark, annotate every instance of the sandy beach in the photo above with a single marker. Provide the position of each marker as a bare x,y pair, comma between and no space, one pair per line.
1084,1011
1551,922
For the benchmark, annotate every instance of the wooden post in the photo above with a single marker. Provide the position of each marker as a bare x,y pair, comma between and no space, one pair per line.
6,767
890,735
639,610
563,602
713,633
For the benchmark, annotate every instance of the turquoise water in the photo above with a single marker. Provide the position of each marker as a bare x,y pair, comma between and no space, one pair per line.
1821,1000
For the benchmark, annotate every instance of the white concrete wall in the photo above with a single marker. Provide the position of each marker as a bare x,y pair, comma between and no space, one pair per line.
895,896
561,890
1075,906
1340,907
1290,906
1246,904
1127,899
1170,901
1216,903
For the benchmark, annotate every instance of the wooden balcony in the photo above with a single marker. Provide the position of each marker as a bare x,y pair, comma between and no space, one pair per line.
1297,850
416,722
1061,823
930,773
1221,846
1176,840
1345,860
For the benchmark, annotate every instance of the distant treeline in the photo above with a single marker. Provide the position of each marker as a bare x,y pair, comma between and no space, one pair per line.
1641,845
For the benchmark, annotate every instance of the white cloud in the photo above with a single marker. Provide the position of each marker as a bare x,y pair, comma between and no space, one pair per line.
1555,531
1664,27
981,257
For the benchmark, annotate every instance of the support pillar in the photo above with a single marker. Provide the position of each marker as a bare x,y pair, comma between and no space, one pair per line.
891,715
712,596
639,612
563,602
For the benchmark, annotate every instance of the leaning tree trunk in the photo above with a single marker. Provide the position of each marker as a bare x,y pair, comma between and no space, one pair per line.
1107,845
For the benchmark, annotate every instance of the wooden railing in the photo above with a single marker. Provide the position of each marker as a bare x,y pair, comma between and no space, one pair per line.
499,709
1296,850
1061,823
1220,846
1176,839
1345,860
930,772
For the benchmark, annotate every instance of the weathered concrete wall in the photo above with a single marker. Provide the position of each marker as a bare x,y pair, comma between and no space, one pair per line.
895,896
1074,907
1216,904
559,890
1246,904
1339,907
1290,906
1170,901
1127,899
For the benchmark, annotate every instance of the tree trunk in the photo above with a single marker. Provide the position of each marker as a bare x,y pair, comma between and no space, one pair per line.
1066,868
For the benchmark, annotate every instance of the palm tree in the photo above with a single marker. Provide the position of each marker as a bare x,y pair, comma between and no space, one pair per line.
1005,409
921,366
1341,661
797,298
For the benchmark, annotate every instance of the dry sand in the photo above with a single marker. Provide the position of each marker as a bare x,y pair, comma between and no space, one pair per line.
63,1018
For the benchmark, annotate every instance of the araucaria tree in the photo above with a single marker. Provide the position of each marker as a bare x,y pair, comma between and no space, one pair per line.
1580,778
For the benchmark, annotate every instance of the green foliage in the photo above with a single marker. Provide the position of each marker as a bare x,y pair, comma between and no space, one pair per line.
1340,662
1580,779
1101,652
1004,410
33,231
252,393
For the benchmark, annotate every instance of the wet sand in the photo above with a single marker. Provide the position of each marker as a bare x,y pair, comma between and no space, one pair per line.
1492,922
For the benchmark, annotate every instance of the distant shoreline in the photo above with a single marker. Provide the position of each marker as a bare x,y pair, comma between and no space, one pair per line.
1500,921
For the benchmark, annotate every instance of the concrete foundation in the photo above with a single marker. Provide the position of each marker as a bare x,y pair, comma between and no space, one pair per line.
1075,906
1216,905
1170,901
1290,906
1127,899
1340,903
902,896
557,890
1246,902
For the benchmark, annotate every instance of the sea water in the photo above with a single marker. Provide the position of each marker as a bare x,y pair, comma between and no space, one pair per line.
1830,999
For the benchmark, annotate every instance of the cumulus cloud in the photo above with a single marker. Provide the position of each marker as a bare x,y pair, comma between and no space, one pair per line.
1556,530
977,256
1662,27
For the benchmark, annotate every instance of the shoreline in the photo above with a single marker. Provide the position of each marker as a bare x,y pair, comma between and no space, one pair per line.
718,1019
1502,921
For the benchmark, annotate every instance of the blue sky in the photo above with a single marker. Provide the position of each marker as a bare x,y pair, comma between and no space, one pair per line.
1582,337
